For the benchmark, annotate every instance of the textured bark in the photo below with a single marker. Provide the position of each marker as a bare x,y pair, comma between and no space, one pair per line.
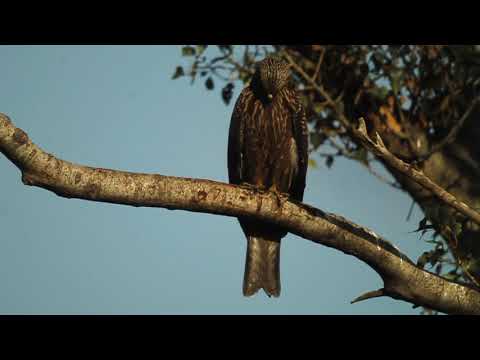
402,279
410,172
452,165
456,168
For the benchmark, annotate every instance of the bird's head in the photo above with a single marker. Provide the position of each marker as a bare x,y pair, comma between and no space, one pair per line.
274,74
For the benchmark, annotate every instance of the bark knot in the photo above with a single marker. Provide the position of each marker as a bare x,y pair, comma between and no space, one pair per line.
92,190
202,195
20,137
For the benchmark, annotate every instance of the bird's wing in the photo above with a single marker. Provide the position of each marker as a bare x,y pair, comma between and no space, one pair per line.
300,133
236,139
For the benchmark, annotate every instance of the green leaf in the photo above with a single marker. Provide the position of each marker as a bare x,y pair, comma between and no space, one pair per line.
226,48
452,275
361,155
432,257
423,259
188,51
445,103
193,72
318,108
329,161
178,72
396,81
435,256
473,265
227,93
433,241
244,76
316,139
432,211
209,83
201,49
423,227
422,224
458,229
380,92
312,163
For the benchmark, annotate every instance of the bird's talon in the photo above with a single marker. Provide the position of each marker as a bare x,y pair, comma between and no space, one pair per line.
281,197
249,186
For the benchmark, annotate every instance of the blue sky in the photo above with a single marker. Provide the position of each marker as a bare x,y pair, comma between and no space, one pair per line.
117,107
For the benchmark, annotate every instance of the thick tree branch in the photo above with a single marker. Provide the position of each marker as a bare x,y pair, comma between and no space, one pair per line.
402,279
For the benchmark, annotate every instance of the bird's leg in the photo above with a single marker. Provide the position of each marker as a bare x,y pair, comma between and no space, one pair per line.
281,196
249,186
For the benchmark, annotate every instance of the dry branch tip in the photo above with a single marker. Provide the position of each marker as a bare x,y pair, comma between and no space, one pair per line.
362,127
369,295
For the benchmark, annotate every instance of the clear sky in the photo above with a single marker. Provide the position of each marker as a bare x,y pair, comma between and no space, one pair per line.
117,107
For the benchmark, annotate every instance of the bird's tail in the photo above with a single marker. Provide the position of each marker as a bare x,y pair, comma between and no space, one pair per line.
262,267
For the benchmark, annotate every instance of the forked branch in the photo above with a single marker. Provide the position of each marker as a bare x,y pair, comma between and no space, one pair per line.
379,149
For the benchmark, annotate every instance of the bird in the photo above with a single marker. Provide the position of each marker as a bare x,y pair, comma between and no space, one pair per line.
268,150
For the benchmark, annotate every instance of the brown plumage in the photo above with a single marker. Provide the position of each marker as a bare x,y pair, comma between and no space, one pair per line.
267,148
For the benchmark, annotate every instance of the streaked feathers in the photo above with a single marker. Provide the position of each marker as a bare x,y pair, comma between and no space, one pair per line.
267,147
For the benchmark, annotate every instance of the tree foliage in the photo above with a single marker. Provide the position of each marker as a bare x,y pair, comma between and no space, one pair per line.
421,99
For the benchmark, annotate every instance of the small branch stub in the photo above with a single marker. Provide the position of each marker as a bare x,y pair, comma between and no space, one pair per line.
369,295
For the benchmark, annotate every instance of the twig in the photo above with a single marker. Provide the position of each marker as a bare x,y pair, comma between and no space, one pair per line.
333,103
379,149
369,295
452,135
410,211
341,117
319,64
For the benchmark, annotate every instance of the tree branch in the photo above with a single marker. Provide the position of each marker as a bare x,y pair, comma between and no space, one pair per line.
369,295
452,135
402,279
379,149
